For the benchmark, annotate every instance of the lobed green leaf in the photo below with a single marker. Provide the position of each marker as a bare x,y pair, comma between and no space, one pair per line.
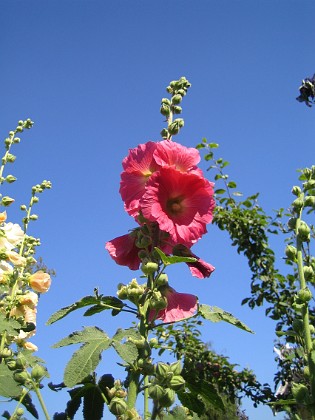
215,314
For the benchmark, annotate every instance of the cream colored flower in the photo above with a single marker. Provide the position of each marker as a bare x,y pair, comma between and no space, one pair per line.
11,235
15,258
30,346
40,281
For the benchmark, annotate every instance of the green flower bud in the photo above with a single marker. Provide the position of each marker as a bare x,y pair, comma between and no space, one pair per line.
305,295
177,383
10,158
309,201
307,172
296,190
175,126
11,364
6,201
176,367
19,129
20,361
162,280
23,207
176,99
168,398
122,292
10,179
33,217
153,342
163,370
298,204
291,252
165,110
156,392
304,231
308,273
142,254
292,223
21,377
149,268
19,412
181,92
309,185
6,352
300,393
38,372
177,109
311,328
166,101
164,133
16,140
117,406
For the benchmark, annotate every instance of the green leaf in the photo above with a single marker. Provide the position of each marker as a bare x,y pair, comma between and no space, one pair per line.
8,386
84,360
87,335
107,302
11,326
191,401
208,394
219,191
215,314
130,332
168,260
231,184
127,351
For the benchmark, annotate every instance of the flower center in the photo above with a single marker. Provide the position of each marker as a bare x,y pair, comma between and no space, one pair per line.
174,206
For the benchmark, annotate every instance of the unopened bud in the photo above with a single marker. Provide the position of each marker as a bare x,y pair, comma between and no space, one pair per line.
296,190
292,223
38,372
177,383
168,398
6,201
305,295
162,280
10,179
304,231
298,204
310,201
291,252
117,406
309,185
176,367
308,273
149,268
156,392
165,110
21,377
176,99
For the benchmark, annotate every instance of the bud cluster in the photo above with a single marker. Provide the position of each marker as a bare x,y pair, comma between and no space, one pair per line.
170,107
132,291
166,382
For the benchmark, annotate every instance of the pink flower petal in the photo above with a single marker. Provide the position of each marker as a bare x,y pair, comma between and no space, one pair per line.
138,167
124,251
179,306
200,268
170,153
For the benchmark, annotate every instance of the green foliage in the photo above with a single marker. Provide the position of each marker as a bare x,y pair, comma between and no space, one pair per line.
173,259
215,314
85,360
8,386
99,302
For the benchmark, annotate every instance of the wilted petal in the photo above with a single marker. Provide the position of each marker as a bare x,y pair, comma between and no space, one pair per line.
179,306
124,251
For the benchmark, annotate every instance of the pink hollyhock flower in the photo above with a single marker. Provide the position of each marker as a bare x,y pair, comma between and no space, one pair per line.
123,250
170,153
179,306
200,268
138,166
181,203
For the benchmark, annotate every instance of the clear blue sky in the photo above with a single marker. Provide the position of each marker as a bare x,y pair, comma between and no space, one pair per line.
91,75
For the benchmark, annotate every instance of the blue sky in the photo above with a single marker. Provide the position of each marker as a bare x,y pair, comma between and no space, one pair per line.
91,75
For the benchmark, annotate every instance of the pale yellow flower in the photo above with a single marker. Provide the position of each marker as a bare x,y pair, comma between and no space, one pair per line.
40,281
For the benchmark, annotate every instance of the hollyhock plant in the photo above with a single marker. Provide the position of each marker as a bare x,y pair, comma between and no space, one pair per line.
181,203
179,306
